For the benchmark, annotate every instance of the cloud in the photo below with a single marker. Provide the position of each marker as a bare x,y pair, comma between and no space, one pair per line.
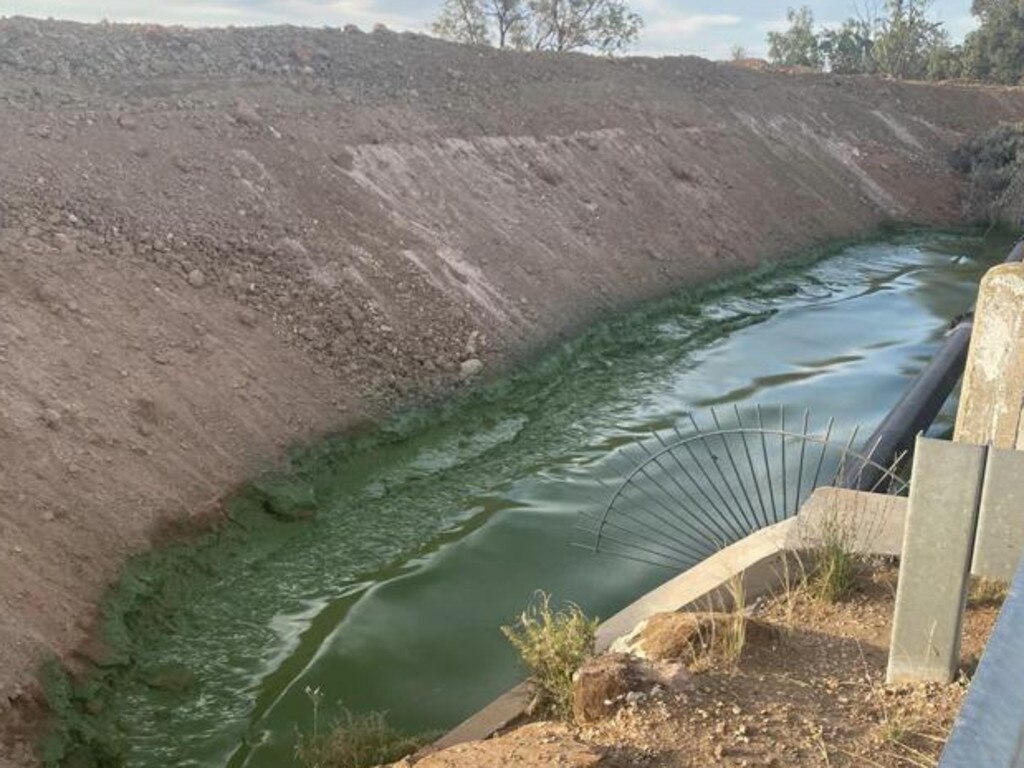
775,25
692,24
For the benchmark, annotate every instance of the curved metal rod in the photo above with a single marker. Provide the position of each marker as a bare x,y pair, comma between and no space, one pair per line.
845,452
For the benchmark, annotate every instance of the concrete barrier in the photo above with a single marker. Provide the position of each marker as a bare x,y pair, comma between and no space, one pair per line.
938,543
1000,537
993,390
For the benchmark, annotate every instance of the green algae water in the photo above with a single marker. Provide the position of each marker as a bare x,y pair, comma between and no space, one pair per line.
429,533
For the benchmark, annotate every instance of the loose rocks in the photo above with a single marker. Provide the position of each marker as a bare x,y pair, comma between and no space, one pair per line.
601,684
471,368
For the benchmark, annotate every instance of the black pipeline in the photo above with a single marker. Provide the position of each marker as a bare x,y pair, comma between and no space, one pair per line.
919,405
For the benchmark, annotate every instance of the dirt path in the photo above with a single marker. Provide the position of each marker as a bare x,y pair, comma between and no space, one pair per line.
217,243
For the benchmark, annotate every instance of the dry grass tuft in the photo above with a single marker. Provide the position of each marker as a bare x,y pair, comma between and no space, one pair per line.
734,629
356,741
722,629
986,592
793,582
553,645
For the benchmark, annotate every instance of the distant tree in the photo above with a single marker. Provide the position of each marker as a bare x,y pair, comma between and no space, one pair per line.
462,21
995,50
848,49
738,52
607,26
895,38
799,45
946,63
509,18
907,38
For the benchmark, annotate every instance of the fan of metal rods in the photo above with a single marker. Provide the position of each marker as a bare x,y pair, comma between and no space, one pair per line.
693,491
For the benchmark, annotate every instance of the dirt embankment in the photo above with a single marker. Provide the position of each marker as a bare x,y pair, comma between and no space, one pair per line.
216,243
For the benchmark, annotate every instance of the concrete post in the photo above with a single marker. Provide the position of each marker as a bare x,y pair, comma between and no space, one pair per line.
938,542
1000,538
993,390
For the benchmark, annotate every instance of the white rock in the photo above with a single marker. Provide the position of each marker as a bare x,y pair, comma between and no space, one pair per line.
470,368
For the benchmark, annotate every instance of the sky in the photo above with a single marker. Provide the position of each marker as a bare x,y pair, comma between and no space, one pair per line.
708,28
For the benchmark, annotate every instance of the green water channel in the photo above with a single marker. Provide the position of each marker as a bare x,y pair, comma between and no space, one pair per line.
435,529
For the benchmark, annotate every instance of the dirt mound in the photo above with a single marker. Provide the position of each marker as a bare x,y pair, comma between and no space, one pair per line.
119,51
218,242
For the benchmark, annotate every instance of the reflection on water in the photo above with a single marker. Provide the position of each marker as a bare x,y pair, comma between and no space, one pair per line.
392,597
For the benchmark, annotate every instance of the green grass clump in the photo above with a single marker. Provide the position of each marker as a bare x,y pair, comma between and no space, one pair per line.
836,573
552,646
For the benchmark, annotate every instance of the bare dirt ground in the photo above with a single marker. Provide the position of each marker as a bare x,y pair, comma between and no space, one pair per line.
216,243
813,694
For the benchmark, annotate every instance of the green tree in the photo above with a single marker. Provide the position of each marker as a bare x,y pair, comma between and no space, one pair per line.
509,19
907,39
946,63
799,45
848,49
462,21
607,26
995,50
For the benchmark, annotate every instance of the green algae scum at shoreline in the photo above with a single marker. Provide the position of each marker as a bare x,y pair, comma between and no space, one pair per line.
380,566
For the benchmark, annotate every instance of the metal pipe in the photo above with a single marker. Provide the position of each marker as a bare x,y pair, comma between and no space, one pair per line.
920,403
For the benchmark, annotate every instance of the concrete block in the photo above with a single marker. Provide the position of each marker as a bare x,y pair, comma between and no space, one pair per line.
868,523
496,716
1000,538
942,514
993,390
760,557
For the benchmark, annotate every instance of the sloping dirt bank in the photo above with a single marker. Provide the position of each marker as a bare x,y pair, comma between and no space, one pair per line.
217,243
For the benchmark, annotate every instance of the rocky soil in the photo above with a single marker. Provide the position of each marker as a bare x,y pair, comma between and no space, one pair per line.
216,243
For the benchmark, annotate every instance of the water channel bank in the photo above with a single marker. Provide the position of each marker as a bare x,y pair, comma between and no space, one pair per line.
412,544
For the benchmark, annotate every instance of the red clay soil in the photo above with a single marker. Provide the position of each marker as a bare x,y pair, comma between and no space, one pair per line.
216,243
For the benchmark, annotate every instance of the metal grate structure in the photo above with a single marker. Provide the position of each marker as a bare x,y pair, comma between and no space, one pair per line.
693,490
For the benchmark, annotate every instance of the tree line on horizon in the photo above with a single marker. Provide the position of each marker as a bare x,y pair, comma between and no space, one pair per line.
605,26
901,39
893,38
